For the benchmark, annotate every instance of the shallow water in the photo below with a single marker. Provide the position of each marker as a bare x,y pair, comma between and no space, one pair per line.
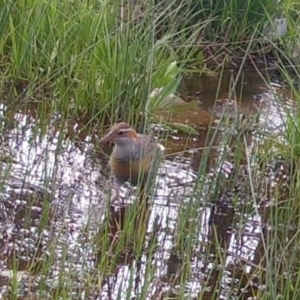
56,190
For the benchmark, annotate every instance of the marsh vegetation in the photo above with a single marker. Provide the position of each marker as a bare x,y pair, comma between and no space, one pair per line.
218,87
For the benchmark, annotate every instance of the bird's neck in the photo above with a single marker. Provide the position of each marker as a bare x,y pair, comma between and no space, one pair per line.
127,151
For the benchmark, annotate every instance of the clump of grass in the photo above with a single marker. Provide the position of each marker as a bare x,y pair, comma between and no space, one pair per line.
278,154
84,56
102,59
228,21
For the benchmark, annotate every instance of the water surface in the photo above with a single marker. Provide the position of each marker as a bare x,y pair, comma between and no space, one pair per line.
56,190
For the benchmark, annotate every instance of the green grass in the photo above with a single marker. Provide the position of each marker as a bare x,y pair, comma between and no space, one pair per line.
90,63
82,58
94,59
229,21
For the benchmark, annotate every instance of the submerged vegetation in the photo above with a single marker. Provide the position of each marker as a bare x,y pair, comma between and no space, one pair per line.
224,220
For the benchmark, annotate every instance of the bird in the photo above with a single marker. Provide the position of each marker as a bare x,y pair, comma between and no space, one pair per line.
134,157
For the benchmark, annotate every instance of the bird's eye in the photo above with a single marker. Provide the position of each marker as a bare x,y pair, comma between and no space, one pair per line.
120,132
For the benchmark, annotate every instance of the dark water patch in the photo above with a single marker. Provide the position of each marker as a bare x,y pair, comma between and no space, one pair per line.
248,94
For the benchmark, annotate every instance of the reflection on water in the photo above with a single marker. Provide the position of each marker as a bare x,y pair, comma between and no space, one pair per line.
55,198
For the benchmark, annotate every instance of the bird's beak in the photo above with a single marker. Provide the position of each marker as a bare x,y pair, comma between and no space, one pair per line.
107,138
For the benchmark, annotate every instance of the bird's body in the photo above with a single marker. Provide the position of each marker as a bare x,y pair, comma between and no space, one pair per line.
134,156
